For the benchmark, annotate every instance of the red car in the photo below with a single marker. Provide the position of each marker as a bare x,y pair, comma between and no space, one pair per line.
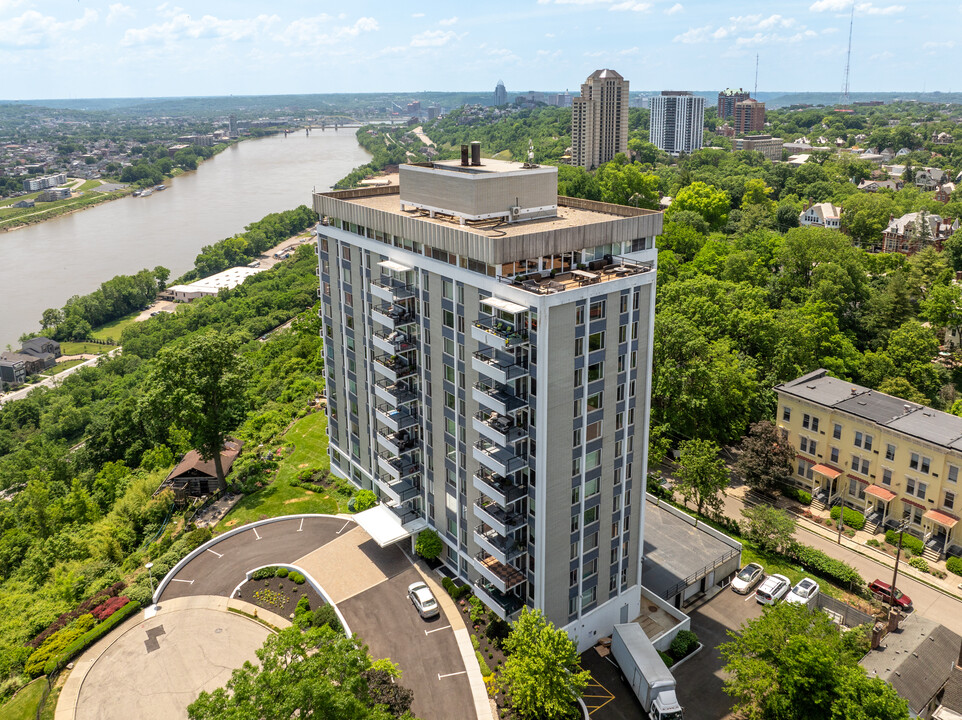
883,591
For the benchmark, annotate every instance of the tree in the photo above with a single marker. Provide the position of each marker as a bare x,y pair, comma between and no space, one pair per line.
770,527
202,387
702,475
943,307
765,457
428,544
793,663
706,200
317,673
541,674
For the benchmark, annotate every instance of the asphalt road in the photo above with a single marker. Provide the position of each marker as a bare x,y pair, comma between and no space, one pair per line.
221,568
51,382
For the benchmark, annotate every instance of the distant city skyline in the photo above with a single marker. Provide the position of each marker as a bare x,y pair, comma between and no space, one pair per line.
221,47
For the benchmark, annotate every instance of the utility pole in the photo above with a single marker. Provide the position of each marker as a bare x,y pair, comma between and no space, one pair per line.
841,514
895,576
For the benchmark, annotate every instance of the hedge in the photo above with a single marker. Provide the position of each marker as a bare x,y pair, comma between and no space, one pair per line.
852,518
954,565
805,498
54,645
684,644
908,541
454,591
818,563
296,578
264,573
85,641
919,564
666,658
82,609
281,572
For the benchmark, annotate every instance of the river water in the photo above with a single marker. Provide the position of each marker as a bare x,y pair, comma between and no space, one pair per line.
43,265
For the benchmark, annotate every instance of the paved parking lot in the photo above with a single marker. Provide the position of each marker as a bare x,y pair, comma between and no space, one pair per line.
700,678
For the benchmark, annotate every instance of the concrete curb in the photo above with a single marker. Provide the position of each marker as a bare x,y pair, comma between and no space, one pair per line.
313,583
229,534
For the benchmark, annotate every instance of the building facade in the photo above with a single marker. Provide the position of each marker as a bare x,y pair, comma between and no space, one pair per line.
677,121
749,116
500,94
42,183
599,119
770,147
726,102
825,215
888,458
917,230
465,347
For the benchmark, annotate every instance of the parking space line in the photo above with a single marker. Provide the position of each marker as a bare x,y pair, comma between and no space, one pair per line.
345,525
301,526
750,597
463,672
189,582
255,532
428,632
220,555
594,702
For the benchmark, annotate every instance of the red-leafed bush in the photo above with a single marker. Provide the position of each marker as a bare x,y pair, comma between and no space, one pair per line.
105,610
85,607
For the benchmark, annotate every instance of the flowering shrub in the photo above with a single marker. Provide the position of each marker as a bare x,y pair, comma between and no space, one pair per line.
271,597
105,610
85,607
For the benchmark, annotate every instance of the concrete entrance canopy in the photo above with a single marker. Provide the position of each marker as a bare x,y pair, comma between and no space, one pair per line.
880,492
385,527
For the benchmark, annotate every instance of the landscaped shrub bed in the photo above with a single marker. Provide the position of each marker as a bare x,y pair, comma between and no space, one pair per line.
90,637
82,609
908,541
455,591
684,644
279,595
56,643
105,610
818,563
487,631
805,498
853,519
954,565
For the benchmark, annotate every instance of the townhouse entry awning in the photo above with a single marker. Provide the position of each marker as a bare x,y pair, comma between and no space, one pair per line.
880,492
941,518
830,473
385,527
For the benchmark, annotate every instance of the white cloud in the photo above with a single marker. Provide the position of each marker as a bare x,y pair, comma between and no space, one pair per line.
884,55
549,35
117,11
632,6
868,8
183,27
829,30
33,29
747,30
861,8
417,15
448,21
936,45
6,5
675,9
831,5
319,30
434,38
693,35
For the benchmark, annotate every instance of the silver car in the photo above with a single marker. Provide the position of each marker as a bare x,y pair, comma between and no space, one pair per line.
423,600
747,578
805,593
773,589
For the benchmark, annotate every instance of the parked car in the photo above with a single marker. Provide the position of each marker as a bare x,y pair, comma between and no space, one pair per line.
773,589
883,591
804,593
423,600
747,578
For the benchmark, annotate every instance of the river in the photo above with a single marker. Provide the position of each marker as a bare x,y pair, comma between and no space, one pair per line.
43,265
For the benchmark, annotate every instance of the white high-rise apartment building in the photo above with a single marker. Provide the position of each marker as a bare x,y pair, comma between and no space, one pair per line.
500,94
599,119
488,358
677,121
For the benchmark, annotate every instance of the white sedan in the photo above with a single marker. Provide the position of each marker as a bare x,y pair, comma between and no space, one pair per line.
423,600
805,593
747,578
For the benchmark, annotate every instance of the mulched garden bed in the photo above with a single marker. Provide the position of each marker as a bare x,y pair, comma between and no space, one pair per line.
278,595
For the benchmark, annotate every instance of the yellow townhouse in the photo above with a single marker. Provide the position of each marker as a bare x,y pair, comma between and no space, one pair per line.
888,458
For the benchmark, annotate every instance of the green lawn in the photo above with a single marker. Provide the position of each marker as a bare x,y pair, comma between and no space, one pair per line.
309,438
24,704
60,367
777,564
90,184
81,348
112,330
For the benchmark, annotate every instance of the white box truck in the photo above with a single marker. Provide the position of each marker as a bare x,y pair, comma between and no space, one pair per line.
646,672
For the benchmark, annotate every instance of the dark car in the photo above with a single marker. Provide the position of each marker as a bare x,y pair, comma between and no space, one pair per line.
883,591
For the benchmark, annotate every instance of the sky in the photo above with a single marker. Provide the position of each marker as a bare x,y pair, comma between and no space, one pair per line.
85,48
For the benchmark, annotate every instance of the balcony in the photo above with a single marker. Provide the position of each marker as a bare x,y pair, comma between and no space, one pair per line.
497,488
395,418
497,334
396,443
400,491
503,549
393,342
398,467
505,606
502,576
499,366
497,428
392,316
393,367
495,399
391,290
394,393
497,459
497,517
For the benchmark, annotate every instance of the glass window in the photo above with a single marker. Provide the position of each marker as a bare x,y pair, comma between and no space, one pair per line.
447,289
575,495
920,493
596,341
858,439
953,473
949,502
576,466
593,431
449,400
597,310
925,464
914,461
580,315
596,371
837,431
868,442
814,424
592,460
449,373
595,401
786,413
588,596
806,420
449,346
910,486
591,488
591,514
834,454
448,318
886,476
578,377
579,346
889,452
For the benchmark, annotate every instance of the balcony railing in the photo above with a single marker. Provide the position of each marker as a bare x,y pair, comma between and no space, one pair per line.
502,576
497,459
396,393
502,548
393,342
392,316
499,428
496,399
400,491
397,443
504,605
389,289
398,466
393,367
497,517
499,366
497,487
395,418
497,333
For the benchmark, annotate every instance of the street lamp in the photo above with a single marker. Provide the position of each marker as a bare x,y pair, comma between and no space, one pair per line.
150,575
898,553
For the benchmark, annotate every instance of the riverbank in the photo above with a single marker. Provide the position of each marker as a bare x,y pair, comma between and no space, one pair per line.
91,198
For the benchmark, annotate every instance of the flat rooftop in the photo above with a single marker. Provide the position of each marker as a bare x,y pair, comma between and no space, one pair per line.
488,165
567,217
674,549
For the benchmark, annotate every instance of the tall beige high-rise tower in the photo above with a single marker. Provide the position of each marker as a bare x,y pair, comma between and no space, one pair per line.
599,119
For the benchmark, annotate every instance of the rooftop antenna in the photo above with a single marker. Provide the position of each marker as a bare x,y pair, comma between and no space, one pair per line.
530,162
848,57
755,95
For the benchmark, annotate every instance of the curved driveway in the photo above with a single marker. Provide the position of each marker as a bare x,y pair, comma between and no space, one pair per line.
369,586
